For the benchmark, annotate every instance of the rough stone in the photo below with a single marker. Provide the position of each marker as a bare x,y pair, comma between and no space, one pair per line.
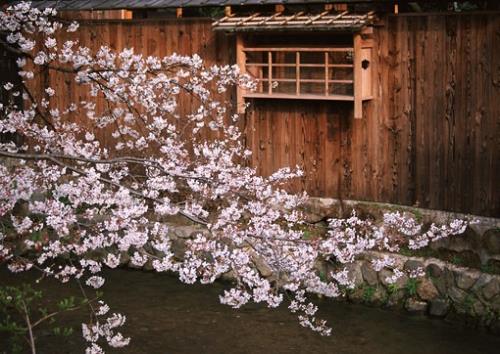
369,274
415,306
124,258
21,209
464,280
178,248
228,276
184,231
313,218
470,240
356,294
379,296
385,273
395,298
491,241
374,295
457,295
426,290
491,289
133,266
148,265
354,270
444,282
413,264
478,309
438,307
480,283
262,266
322,207
434,270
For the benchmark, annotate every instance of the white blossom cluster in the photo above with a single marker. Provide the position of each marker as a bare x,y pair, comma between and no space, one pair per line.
95,202
351,237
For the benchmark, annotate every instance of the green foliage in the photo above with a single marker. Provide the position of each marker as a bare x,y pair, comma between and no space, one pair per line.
65,200
14,306
468,303
322,275
66,304
411,287
368,293
21,308
392,289
405,251
487,268
457,260
63,331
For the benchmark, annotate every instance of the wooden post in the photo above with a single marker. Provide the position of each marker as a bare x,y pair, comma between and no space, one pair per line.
297,72
178,12
279,8
326,75
227,11
396,8
270,72
340,7
126,14
358,84
240,61
328,7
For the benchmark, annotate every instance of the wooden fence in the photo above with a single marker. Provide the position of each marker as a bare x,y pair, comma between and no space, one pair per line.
431,137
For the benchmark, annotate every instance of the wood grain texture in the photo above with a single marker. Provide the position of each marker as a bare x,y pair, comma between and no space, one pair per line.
430,137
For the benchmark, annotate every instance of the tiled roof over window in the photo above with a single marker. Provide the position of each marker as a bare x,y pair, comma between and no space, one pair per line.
155,4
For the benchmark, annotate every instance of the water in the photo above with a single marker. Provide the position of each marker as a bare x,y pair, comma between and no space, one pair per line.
165,316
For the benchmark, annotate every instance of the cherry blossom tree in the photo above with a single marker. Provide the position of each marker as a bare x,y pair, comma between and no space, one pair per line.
87,204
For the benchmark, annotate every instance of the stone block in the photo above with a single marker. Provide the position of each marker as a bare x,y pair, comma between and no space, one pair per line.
426,290
491,241
185,231
355,273
369,274
415,306
434,270
413,264
439,307
465,280
491,289
457,295
384,274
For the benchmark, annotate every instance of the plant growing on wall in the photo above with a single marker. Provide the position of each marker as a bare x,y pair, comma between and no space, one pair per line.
70,205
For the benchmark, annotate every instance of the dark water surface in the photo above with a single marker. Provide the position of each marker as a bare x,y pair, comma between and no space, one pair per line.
165,316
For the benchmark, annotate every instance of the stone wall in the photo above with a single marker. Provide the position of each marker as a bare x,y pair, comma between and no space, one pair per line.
462,279
447,291
452,289
478,248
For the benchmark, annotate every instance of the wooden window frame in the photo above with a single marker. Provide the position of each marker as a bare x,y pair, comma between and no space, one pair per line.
361,77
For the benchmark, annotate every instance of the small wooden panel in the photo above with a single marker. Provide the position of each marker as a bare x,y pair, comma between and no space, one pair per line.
366,73
279,8
240,61
340,7
358,83
302,96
